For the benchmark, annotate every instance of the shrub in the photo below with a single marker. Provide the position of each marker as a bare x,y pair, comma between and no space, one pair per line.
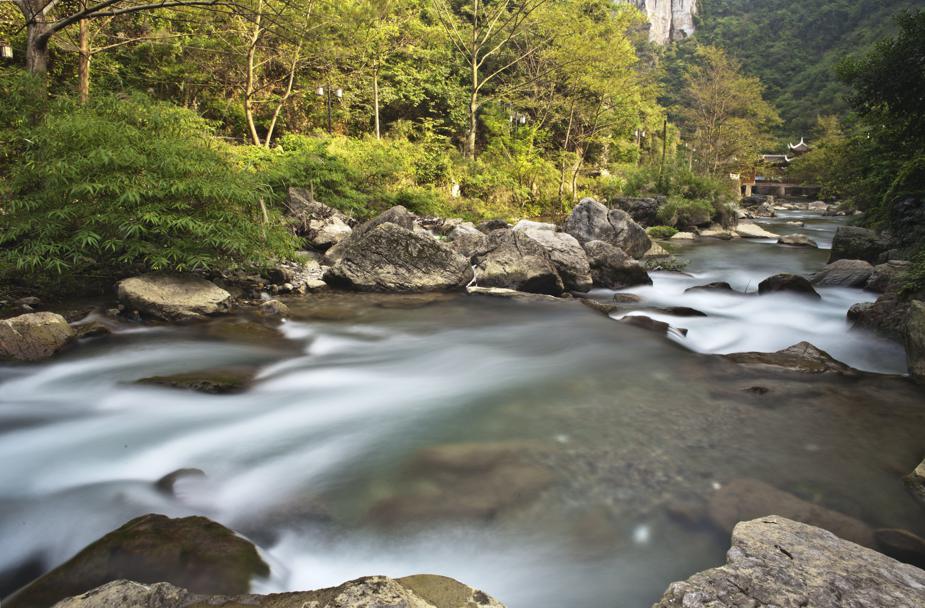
126,184
661,232
684,213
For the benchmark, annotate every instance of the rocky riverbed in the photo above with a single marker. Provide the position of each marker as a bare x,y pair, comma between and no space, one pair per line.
492,429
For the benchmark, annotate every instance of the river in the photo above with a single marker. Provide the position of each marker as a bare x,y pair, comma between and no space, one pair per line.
539,451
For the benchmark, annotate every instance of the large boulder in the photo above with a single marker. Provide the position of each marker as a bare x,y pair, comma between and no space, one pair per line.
392,258
787,283
192,552
467,240
644,211
567,256
887,316
803,357
915,481
844,273
744,499
888,277
781,563
420,591
612,268
907,218
34,336
173,297
915,340
853,243
592,221
516,261
320,225
397,215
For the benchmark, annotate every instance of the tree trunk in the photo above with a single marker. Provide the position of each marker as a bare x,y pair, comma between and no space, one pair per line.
471,136
37,46
83,68
376,101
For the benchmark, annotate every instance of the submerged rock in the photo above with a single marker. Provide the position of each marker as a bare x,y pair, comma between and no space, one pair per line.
173,297
420,591
34,336
718,286
653,325
787,283
392,258
902,545
592,221
744,499
797,240
224,381
516,261
853,243
511,294
844,273
193,552
915,481
612,268
802,357
778,562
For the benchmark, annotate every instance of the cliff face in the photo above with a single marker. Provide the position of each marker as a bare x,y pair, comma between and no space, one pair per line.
670,19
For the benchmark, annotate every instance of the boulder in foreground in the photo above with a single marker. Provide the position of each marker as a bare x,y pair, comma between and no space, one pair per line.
193,552
420,591
34,336
854,243
844,273
592,221
778,562
392,258
173,297
516,261
612,268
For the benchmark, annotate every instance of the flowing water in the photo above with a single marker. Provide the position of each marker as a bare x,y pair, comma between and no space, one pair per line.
539,451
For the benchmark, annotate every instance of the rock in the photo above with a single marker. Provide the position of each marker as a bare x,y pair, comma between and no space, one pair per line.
28,301
167,483
756,200
566,254
787,283
718,286
776,562
34,336
512,294
397,215
392,258
681,311
683,236
718,232
656,251
751,230
468,241
612,268
592,221
273,308
466,481
844,273
601,307
915,340
420,591
527,225
193,552
626,298
853,243
802,357
320,225
644,211
516,261
888,277
907,217
173,297
887,316
490,226
915,482
797,240
742,499
221,381
902,545
652,325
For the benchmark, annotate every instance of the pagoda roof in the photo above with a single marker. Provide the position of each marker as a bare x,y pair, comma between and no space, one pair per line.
800,147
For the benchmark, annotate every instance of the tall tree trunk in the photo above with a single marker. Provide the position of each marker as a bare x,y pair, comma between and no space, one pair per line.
83,68
37,46
376,100
249,77
471,136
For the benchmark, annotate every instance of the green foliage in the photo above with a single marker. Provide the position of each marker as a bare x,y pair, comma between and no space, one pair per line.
661,232
686,213
125,184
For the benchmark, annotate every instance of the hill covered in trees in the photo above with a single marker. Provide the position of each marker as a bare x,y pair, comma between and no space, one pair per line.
794,46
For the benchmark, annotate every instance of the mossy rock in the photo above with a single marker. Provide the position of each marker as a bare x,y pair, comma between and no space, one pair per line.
191,552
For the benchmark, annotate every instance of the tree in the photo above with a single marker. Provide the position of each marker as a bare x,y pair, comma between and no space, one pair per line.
483,33
46,18
724,114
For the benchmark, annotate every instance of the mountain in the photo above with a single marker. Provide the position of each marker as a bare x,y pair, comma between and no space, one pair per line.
670,20
795,45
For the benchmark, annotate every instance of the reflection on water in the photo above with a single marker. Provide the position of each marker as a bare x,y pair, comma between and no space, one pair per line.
533,450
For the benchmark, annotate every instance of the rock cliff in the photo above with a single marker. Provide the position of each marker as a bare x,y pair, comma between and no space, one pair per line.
670,19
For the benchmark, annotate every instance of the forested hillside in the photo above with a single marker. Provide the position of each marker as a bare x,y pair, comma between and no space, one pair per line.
793,46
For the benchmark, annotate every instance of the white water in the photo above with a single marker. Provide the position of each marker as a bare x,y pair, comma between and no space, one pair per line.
300,460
